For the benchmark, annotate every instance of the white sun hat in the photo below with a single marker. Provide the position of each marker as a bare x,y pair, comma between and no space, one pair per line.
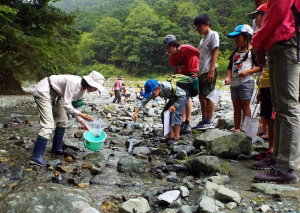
95,79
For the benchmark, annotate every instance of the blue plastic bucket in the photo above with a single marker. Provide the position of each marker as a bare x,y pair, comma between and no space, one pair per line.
93,143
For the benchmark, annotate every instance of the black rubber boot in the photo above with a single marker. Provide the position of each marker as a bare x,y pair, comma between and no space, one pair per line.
57,141
38,151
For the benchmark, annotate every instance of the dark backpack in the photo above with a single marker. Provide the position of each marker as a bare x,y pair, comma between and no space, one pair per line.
186,83
296,12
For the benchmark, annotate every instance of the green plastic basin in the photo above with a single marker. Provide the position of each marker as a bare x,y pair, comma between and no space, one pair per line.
93,143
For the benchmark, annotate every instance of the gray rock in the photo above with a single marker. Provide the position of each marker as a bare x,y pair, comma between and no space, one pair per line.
169,196
134,142
45,197
174,168
210,189
231,205
126,132
207,164
207,205
170,211
226,195
17,174
176,204
173,177
185,209
206,138
111,108
4,168
232,145
181,155
139,205
275,189
220,204
125,118
265,208
187,148
130,164
226,122
141,151
71,144
152,192
184,192
220,180
89,210
54,163
104,180
113,128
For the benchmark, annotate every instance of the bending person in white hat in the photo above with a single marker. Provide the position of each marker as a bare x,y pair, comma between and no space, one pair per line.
53,96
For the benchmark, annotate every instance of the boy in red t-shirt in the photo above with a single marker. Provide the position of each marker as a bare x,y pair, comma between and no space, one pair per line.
185,59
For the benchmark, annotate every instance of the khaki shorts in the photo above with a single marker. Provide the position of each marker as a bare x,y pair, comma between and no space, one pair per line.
204,86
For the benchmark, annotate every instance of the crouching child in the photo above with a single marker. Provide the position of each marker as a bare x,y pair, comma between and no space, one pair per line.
176,103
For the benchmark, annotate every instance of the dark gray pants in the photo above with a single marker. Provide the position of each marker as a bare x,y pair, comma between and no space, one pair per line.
284,80
117,96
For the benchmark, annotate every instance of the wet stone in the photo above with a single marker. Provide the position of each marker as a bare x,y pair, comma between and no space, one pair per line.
174,168
128,164
78,135
54,163
17,174
4,168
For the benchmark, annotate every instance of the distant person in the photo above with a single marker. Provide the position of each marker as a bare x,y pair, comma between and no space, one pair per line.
208,48
185,60
257,3
175,105
277,37
240,72
54,96
116,88
137,91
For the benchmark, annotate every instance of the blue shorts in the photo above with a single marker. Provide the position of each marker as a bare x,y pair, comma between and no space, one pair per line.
243,91
176,116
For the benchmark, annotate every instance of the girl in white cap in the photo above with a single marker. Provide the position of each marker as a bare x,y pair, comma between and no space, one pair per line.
53,96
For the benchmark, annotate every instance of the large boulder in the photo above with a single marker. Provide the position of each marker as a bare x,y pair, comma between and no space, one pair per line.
130,164
111,108
226,121
206,138
206,164
232,145
139,205
45,197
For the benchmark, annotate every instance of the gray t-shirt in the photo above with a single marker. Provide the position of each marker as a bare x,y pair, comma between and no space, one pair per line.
206,46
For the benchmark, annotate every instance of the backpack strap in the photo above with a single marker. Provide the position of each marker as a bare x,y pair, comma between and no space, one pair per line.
297,23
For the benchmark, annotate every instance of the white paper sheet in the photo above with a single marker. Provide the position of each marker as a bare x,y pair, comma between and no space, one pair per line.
167,122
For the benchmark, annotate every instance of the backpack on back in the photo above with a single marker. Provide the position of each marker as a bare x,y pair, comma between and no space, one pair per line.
186,83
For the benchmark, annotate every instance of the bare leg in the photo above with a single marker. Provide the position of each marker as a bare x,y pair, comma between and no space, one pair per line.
210,108
203,106
246,108
237,115
270,123
176,131
188,110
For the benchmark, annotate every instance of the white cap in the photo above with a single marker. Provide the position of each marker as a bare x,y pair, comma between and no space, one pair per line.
95,79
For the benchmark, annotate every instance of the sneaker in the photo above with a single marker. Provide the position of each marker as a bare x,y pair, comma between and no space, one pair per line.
205,126
265,163
185,129
263,155
276,175
199,125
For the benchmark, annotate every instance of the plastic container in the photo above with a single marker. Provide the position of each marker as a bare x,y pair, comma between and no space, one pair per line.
93,143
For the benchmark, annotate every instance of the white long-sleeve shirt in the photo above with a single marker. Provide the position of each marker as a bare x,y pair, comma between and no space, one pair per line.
67,86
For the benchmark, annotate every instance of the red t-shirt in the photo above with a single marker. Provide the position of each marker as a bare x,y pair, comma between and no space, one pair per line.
187,60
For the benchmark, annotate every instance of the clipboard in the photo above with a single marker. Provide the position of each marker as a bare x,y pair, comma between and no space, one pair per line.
167,123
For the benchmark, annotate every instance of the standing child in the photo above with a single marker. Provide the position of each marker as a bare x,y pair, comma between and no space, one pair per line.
185,60
209,46
240,72
178,100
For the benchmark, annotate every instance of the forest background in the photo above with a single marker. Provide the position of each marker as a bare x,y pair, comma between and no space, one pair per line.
39,38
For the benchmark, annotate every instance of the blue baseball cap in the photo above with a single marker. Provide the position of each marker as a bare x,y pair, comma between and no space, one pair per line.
150,86
244,28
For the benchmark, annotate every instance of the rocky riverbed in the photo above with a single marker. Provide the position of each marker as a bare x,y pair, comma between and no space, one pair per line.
135,171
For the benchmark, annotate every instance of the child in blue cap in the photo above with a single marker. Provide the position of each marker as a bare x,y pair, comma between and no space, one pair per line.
175,105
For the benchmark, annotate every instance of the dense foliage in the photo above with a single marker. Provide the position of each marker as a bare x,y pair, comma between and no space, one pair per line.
129,33
36,40
43,37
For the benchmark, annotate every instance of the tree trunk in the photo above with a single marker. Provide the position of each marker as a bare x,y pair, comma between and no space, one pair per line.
9,85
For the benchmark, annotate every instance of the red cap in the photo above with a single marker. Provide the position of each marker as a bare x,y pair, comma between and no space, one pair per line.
261,8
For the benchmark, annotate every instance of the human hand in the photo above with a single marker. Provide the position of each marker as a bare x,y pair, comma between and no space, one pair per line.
134,117
194,74
260,56
84,126
227,81
210,76
172,108
85,116
243,73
